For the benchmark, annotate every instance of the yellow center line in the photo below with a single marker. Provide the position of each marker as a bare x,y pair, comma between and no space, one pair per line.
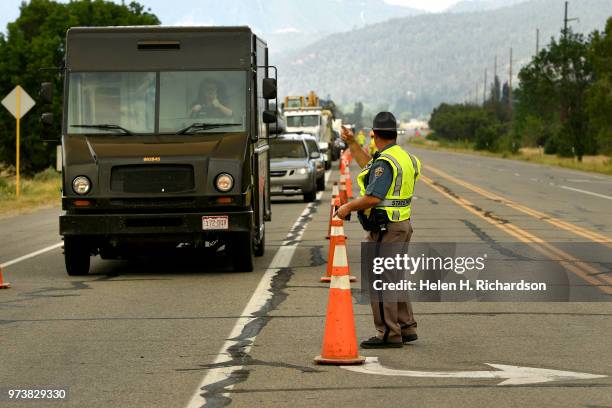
568,261
567,226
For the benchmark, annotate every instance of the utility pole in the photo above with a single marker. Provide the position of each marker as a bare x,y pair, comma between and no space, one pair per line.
566,20
537,41
510,83
484,92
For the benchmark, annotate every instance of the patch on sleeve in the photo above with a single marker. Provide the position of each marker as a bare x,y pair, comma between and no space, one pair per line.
379,171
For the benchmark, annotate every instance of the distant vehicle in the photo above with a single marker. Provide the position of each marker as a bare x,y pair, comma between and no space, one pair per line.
312,145
165,142
313,120
293,168
337,145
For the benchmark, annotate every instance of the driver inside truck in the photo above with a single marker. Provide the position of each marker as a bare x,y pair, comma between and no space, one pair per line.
207,103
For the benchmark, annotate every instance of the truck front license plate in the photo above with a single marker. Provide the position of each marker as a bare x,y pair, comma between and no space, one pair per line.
217,222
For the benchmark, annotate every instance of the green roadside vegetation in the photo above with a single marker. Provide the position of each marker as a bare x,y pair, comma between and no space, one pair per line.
560,114
31,48
40,191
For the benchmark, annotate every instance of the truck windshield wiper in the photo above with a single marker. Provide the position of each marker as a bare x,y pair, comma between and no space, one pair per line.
204,126
105,126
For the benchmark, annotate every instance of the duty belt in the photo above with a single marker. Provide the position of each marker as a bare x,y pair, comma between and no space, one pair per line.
395,203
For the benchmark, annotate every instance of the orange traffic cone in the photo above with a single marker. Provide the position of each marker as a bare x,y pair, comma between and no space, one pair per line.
332,208
3,285
336,238
349,183
343,196
340,338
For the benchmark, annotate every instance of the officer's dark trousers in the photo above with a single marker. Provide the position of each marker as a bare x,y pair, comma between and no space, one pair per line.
392,318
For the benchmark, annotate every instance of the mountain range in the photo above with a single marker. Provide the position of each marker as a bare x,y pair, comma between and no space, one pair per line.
411,64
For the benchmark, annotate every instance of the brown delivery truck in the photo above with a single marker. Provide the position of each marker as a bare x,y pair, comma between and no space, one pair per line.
165,143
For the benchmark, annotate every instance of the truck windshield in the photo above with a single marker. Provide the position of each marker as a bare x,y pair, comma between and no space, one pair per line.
209,97
124,99
103,102
303,121
287,149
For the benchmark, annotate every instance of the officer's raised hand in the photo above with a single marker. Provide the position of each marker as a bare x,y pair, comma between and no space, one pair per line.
347,135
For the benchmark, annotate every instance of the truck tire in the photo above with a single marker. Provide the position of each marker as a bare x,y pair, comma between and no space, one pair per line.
260,247
242,252
76,257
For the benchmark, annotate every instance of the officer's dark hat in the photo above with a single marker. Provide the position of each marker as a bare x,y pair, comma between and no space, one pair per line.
384,121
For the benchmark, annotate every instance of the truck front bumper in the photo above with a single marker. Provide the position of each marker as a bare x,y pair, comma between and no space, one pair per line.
150,224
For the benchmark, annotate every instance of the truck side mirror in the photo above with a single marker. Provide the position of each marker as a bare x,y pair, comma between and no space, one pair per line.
269,116
47,118
46,92
269,88
315,155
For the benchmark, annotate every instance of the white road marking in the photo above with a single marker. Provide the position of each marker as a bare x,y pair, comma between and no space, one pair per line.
32,254
512,375
587,192
260,296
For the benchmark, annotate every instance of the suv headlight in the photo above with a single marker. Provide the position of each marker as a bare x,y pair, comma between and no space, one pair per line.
224,182
303,170
81,185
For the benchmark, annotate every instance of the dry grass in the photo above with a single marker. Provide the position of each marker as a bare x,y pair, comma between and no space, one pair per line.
40,191
596,164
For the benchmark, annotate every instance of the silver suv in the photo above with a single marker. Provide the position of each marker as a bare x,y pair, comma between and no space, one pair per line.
295,167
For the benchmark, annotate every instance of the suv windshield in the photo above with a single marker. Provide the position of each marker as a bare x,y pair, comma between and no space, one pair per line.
209,97
102,102
287,149
303,121
125,99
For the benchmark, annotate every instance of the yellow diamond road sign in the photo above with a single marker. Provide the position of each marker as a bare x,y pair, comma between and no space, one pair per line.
18,95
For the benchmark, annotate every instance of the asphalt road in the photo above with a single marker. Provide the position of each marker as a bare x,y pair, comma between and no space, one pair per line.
151,333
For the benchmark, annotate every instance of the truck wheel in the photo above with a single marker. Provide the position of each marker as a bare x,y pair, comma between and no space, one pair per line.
76,257
260,247
242,252
321,184
310,197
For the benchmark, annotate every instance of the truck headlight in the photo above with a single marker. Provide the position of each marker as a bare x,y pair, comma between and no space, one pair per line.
81,185
303,170
224,182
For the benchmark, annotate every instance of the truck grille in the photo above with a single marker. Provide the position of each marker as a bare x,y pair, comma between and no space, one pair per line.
158,178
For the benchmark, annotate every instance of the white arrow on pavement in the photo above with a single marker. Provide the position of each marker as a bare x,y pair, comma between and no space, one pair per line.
512,375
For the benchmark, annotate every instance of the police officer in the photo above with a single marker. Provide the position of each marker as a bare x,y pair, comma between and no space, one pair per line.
387,182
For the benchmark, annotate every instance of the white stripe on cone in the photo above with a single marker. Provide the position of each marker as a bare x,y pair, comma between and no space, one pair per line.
340,258
337,231
340,282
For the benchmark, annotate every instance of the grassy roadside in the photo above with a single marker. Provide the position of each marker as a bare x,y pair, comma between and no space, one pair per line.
595,164
42,190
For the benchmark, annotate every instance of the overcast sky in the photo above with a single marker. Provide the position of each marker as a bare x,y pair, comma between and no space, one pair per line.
169,12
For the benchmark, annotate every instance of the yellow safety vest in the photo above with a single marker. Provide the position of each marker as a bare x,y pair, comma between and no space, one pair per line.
373,148
406,170
361,139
